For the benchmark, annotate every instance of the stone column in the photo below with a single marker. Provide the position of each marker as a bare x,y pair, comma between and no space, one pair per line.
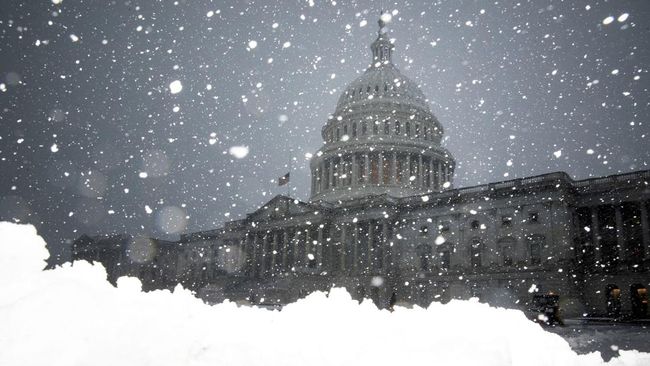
408,169
263,254
380,168
274,252
645,228
285,248
322,177
620,232
439,173
385,245
431,174
252,261
420,172
371,253
319,248
330,172
355,250
355,170
308,244
366,169
344,229
296,248
595,235
393,168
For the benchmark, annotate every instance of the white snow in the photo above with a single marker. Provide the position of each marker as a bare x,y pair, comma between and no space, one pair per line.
623,17
238,152
72,316
175,87
252,44
608,20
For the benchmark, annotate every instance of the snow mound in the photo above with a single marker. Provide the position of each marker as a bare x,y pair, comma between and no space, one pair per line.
72,316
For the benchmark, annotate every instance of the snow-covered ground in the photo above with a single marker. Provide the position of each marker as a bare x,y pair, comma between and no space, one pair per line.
585,337
72,316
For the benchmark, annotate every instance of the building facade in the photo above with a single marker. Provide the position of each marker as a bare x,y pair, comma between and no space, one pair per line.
385,221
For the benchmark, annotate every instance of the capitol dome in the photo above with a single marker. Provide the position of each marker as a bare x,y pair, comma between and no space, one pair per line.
382,137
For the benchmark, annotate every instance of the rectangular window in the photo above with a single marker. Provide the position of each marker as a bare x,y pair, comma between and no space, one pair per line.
506,221
386,128
445,257
533,217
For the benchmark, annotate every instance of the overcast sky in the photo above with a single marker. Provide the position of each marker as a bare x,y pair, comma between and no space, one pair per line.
93,139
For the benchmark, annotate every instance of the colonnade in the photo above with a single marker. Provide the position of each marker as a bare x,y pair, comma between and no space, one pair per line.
351,248
381,168
621,237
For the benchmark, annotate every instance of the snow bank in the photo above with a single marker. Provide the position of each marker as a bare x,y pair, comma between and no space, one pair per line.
72,316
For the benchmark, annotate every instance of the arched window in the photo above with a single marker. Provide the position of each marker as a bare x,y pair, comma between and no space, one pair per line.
376,88
398,127
364,128
386,127
426,132
408,129
417,130
354,130
375,128
385,87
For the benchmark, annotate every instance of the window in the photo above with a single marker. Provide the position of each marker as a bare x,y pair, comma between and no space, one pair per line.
424,252
506,247
408,129
475,253
375,128
475,224
535,243
364,128
386,127
354,130
533,217
417,130
398,127
506,221
445,259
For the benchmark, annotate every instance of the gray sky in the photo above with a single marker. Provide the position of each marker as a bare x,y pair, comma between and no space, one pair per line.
85,104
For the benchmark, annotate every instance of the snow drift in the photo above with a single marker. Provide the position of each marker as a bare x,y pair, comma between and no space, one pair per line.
72,316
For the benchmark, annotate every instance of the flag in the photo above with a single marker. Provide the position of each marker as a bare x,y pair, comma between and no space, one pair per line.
284,179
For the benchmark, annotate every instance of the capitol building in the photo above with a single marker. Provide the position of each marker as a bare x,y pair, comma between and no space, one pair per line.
385,221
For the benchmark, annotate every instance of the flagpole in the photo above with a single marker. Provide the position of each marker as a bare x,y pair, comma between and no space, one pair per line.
289,167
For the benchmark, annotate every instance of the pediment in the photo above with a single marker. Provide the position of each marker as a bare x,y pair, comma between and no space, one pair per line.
279,208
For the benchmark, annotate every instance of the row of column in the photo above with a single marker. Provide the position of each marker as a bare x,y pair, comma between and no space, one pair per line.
354,248
622,239
384,168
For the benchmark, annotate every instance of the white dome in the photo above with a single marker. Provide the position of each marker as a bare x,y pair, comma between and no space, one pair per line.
383,83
